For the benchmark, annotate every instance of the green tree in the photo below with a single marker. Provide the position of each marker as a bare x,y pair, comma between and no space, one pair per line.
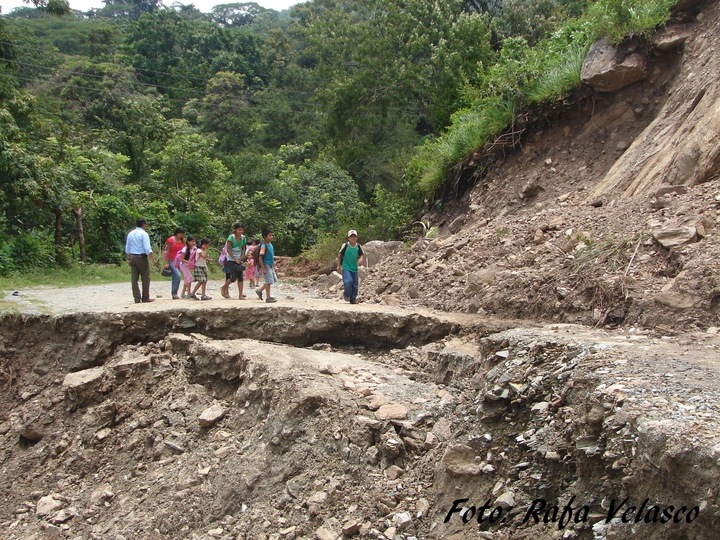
391,72
185,170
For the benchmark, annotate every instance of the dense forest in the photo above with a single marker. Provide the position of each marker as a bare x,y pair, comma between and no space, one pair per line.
334,114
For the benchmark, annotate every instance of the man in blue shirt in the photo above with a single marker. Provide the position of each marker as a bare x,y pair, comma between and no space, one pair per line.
138,250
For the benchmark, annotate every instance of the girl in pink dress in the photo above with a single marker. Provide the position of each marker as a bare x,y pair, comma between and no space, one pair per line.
185,261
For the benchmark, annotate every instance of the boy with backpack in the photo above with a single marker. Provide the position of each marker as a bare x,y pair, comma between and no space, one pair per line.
349,258
264,257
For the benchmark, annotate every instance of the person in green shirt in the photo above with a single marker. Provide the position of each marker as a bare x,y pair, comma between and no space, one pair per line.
349,258
233,267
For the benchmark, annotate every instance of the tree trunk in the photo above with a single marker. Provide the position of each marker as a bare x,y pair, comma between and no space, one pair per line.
78,213
59,259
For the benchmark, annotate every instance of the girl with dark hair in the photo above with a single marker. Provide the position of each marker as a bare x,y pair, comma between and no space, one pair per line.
200,272
172,246
185,261
251,272
233,267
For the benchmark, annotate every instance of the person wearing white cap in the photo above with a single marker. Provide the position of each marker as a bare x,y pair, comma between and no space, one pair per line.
349,258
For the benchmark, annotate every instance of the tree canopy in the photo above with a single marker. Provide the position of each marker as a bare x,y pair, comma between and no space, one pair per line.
335,114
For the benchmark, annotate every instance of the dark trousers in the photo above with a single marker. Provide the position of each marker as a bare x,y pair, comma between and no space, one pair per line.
140,268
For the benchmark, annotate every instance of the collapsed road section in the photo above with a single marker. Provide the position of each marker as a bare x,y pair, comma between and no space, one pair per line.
329,424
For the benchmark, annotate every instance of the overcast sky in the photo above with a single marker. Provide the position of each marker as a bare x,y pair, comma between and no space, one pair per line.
203,5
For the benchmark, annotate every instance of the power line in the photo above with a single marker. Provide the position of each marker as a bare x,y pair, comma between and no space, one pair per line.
166,98
69,71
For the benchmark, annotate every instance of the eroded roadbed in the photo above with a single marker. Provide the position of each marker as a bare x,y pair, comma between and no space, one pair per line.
299,422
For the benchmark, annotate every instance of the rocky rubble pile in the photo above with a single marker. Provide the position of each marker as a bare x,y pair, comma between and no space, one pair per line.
605,214
622,264
194,437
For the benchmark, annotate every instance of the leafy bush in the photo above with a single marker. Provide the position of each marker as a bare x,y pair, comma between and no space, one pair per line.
34,249
530,19
7,262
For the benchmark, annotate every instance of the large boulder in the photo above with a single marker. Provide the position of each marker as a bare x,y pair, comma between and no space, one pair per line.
679,147
606,69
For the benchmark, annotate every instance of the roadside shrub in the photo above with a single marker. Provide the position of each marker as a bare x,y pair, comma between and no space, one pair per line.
7,263
34,249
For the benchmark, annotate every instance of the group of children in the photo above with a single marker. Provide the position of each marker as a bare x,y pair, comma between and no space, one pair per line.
240,261
191,260
254,262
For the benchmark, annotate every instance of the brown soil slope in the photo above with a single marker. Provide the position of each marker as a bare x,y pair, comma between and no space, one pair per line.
606,214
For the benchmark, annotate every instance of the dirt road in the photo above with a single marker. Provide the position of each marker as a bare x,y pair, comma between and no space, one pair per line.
117,297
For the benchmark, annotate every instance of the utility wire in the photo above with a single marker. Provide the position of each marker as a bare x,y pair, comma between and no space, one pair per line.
176,74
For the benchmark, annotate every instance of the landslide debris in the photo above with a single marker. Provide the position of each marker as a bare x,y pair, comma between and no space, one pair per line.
605,214
193,436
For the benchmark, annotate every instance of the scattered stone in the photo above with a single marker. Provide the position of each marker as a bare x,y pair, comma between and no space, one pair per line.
351,527
539,237
32,433
318,498
674,237
324,534
459,460
210,416
103,434
48,504
83,385
540,407
402,520
100,494
676,300
421,508
431,441
391,411
670,39
174,447
393,472
506,500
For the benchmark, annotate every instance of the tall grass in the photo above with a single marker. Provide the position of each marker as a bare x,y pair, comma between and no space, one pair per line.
522,76
617,19
472,128
556,83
